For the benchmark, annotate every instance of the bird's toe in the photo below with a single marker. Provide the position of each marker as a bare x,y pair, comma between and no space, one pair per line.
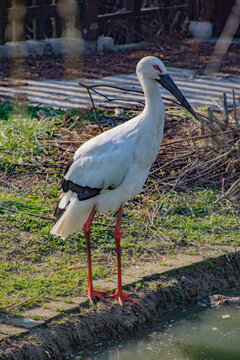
96,293
124,296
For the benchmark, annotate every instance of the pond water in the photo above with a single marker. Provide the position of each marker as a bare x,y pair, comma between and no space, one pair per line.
199,332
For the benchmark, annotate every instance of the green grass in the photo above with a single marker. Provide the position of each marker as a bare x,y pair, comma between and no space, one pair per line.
33,262
23,137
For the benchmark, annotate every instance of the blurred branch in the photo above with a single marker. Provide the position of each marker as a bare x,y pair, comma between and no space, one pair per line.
225,39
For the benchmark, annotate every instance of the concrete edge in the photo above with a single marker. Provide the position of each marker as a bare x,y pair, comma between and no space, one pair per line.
157,294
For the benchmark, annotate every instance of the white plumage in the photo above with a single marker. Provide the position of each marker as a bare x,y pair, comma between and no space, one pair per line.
112,167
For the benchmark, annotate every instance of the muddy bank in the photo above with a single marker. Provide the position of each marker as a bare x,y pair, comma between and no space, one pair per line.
158,294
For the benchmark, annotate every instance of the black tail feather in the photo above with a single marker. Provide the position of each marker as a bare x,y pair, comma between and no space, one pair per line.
59,212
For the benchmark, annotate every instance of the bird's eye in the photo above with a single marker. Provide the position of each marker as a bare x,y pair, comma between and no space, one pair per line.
157,68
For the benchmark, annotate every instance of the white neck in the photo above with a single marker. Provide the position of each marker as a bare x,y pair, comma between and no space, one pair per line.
153,101
152,119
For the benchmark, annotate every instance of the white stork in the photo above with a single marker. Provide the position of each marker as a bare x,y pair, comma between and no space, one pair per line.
111,168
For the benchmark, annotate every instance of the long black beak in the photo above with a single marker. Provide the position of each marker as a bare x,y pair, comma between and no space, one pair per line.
167,82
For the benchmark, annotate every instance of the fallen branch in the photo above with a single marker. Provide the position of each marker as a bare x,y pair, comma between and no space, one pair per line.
22,302
92,87
199,137
27,213
236,183
94,110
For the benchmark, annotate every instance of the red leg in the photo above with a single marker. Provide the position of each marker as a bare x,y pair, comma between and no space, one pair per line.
87,231
117,235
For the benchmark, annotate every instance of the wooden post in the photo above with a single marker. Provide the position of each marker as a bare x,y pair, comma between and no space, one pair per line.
40,24
58,27
208,8
90,20
223,100
134,29
235,108
3,20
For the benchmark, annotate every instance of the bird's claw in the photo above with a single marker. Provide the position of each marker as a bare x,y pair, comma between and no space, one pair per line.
96,293
124,296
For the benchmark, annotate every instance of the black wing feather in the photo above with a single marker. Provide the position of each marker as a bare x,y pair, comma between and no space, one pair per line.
70,162
83,192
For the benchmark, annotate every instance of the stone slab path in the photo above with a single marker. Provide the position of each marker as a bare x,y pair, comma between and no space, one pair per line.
55,310
67,94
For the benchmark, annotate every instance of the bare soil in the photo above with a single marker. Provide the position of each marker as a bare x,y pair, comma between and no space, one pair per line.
157,294
176,51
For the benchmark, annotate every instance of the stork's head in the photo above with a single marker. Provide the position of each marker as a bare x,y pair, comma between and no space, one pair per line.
153,68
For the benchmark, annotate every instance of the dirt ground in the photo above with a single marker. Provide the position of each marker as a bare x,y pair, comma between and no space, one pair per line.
157,295
175,51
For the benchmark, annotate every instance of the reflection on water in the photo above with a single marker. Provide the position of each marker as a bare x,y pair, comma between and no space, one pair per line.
196,333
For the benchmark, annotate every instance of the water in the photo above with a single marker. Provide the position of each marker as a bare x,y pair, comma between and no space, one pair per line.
196,333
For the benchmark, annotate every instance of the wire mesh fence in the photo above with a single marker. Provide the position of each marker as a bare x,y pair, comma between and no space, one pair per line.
124,20
38,19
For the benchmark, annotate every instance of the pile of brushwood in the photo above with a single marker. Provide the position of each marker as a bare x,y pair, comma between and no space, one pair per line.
202,154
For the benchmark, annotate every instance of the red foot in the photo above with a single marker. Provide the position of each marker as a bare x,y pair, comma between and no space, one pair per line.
96,293
124,296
